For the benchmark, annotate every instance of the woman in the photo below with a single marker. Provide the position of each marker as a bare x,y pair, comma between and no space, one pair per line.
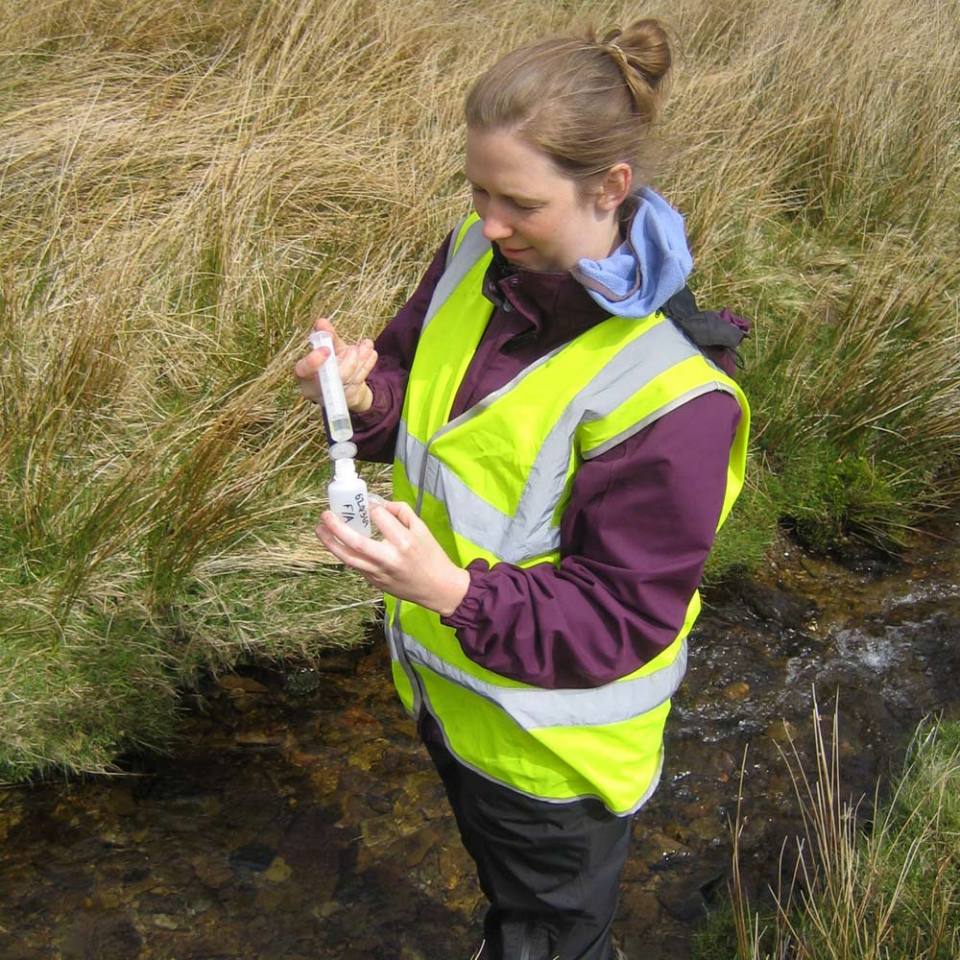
563,456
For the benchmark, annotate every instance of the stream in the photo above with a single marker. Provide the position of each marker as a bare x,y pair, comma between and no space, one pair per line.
298,818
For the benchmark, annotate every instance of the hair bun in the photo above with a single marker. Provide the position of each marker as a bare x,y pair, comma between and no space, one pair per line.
642,52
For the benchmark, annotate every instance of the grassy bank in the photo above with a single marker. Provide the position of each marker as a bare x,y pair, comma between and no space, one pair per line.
184,185
887,890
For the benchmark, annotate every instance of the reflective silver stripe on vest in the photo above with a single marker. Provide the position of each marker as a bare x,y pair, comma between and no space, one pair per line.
472,248
477,520
470,515
647,794
533,708
697,391
532,532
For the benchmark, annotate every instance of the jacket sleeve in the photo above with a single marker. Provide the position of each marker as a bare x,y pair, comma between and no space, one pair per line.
375,431
634,540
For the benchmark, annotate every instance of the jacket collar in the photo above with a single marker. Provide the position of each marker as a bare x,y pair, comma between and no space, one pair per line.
555,305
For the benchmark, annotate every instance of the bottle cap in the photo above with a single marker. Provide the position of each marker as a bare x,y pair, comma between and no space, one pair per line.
343,451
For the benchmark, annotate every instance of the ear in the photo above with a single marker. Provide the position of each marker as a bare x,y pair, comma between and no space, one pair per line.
615,186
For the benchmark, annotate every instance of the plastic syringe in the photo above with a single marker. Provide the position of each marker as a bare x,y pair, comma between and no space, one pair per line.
331,386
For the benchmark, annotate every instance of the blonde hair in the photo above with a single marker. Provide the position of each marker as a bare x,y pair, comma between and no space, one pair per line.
587,103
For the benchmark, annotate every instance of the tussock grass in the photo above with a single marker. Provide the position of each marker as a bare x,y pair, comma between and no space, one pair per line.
183,187
887,890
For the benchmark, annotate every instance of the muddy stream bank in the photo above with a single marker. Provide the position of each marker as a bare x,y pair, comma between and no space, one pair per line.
299,819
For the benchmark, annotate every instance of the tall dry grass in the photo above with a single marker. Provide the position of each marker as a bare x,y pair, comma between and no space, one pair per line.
887,888
183,186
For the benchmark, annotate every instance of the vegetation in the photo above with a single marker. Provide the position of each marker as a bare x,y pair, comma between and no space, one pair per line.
889,892
185,185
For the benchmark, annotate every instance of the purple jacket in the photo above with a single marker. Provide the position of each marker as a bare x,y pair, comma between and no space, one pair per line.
641,517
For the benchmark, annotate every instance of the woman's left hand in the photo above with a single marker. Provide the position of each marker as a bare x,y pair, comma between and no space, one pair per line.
408,562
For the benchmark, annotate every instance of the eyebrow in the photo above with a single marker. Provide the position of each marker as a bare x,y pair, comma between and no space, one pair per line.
516,197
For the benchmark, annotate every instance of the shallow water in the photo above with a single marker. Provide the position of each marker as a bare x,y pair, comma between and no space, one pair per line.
298,818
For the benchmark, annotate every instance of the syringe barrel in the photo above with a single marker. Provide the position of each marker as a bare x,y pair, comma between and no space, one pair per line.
331,386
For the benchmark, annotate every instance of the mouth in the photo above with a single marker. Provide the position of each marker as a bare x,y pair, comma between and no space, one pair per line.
513,251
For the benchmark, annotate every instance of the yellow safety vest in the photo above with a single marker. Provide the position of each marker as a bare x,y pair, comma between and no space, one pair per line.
493,483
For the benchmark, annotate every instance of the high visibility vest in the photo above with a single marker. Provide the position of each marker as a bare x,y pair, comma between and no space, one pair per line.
493,483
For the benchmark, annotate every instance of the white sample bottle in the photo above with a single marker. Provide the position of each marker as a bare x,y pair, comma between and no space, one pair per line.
348,491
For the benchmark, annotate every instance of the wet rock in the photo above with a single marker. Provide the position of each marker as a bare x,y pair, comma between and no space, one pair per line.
212,872
342,663
236,685
669,945
302,683
279,871
244,703
11,949
754,832
265,737
269,899
659,850
454,864
104,937
114,897
862,557
783,731
368,754
409,951
418,845
723,764
640,906
771,603
681,901
325,780
195,807
326,910
314,848
255,857
708,829
10,817
120,801
738,690
165,902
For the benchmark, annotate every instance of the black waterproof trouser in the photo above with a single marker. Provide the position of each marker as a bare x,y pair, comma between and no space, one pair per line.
549,870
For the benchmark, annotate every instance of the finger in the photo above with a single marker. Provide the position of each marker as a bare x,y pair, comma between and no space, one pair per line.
343,552
308,365
367,366
324,323
360,353
394,532
404,513
367,550
348,361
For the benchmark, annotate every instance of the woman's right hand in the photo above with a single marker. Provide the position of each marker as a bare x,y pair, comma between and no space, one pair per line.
355,362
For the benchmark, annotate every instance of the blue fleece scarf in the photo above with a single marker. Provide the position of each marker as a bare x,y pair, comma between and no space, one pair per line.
648,268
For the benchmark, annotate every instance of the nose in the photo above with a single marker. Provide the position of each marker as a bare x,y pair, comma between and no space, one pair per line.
495,225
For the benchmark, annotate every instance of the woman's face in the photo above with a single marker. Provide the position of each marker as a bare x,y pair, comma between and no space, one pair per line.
531,210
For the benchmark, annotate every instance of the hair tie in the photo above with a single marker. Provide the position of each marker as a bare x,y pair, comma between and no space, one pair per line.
616,51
